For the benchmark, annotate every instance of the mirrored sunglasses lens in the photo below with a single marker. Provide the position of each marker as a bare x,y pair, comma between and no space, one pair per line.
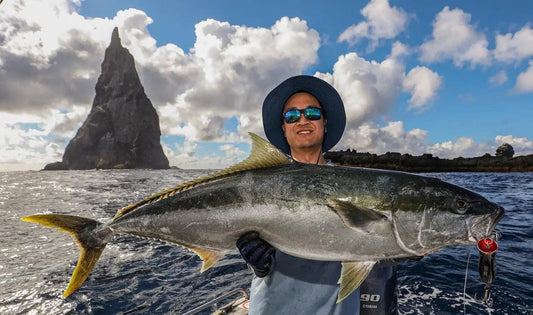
292,116
313,113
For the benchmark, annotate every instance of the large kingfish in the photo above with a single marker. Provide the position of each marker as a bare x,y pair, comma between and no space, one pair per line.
354,215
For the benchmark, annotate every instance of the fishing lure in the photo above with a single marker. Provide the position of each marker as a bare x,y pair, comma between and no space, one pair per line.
487,266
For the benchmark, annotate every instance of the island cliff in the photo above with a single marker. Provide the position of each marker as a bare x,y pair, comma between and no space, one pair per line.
122,128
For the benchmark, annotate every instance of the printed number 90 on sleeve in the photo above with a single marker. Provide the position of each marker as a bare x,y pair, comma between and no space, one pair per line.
370,297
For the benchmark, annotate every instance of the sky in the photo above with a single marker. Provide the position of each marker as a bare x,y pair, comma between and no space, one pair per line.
450,78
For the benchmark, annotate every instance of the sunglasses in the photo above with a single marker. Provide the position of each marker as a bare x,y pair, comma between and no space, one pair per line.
311,113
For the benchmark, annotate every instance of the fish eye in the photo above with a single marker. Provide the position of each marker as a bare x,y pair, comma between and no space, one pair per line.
461,206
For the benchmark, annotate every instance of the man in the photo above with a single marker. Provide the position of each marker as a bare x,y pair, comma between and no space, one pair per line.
304,116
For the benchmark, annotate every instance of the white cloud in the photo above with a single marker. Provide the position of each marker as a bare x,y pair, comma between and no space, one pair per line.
188,148
185,156
455,38
231,70
423,85
467,147
449,149
232,151
381,22
514,47
368,88
524,81
50,55
399,50
521,146
392,138
227,70
50,59
23,145
182,156
498,79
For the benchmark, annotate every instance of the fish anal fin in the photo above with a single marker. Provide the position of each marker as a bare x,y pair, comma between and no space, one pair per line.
354,216
209,257
352,275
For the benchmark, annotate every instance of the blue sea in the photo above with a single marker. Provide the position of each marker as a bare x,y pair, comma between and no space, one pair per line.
137,276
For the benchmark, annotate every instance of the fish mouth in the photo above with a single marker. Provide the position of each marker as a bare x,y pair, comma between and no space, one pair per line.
484,226
496,217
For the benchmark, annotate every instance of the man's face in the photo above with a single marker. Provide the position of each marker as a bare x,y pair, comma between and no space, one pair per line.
304,134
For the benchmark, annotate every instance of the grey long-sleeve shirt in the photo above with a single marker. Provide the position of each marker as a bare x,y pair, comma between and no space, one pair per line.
300,286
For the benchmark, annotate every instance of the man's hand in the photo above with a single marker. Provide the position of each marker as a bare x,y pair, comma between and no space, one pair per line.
256,252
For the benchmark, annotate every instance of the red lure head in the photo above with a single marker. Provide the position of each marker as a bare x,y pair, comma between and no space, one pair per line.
487,246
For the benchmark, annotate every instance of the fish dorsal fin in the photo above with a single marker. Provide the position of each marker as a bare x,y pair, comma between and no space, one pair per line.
354,216
352,275
263,154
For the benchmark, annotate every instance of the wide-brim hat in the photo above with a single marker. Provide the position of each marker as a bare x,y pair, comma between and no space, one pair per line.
326,95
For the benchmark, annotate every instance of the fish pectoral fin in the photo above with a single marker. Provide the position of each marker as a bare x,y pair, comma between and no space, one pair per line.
352,215
209,257
352,275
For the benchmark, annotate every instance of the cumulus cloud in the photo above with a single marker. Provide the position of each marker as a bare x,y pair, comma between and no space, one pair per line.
467,147
185,156
399,50
463,146
524,81
50,59
368,88
231,150
56,57
498,79
63,71
231,74
423,85
391,138
23,145
521,146
381,22
514,47
455,38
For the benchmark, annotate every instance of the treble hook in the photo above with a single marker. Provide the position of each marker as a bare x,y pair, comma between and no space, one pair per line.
487,297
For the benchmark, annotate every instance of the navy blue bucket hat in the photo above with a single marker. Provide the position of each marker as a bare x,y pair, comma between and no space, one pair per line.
326,95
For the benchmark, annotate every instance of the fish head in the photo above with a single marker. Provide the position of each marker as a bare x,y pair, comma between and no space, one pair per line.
430,214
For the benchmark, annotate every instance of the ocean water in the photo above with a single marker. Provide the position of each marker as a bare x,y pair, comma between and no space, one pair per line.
137,276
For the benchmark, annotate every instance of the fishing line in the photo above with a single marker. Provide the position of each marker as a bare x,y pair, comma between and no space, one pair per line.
466,277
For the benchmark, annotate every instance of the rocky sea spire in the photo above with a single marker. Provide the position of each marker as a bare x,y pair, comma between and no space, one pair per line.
122,129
